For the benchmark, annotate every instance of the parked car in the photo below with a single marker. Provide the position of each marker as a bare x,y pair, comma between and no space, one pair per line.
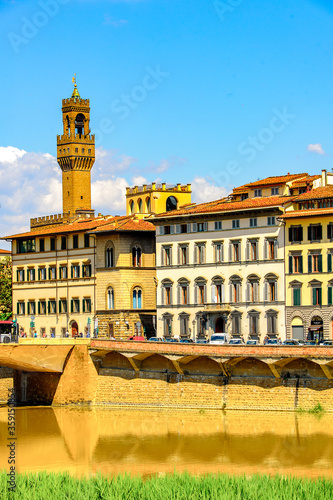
328,343
310,342
290,342
202,341
272,342
155,339
219,338
186,341
137,337
171,339
236,342
252,342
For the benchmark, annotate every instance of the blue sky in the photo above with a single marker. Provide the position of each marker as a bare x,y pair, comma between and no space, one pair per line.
216,93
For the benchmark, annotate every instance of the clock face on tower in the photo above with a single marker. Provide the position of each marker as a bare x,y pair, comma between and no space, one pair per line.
171,203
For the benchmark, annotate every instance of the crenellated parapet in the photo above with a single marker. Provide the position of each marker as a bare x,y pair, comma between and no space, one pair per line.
48,220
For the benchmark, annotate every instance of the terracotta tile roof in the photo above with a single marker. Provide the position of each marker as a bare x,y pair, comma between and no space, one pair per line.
302,182
222,206
107,223
5,252
268,181
294,214
316,194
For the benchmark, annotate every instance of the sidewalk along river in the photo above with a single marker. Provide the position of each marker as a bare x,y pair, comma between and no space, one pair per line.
84,441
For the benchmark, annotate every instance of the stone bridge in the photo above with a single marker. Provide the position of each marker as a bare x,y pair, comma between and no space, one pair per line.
152,374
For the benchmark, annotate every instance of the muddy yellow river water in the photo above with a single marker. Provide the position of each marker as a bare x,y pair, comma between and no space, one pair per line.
87,441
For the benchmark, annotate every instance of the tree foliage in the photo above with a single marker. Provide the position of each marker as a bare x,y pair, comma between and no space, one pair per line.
5,288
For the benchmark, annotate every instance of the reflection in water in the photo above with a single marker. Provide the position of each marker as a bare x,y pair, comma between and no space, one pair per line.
89,440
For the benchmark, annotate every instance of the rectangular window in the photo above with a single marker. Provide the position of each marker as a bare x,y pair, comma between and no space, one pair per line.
166,230
183,255
218,225
75,241
42,273
31,275
52,307
41,245
52,243
52,273
75,305
199,250
253,222
63,272
167,297
330,231
20,276
235,254
166,256
316,296
218,250
21,308
86,270
295,234
295,264
235,325
184,325
25,246
75,271
315,263
63,306
315,232
201,294
252,250
235,224
272,291
254,324
274,191
296,296
202,226
257,193
31,307
63,243
42,307
167,326
271,323
270,221
86,305
86,241
244,196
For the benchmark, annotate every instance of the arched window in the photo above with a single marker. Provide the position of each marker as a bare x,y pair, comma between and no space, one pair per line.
137,298
166,292
110,298
68,126
109,256
140,205
147,205
270,288
200,291
79,124
171,203
183,291
235,289
136,256
254,322
218,290
131,206
252,288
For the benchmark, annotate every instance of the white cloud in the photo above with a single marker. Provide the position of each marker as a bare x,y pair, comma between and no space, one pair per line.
108,196
316,148
10,154
203,191
109,161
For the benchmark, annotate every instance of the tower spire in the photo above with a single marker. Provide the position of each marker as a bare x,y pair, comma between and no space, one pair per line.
75,91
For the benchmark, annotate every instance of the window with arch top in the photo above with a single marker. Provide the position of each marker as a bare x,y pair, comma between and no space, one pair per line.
79,124
109,256
110,298
137,298
136,256
131,206
140,205
171,203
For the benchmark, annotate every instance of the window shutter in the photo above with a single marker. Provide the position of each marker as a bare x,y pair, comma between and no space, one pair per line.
222,251
290,264
329,231
72,305
205,226
172,229
205,294
78,271
195,254
188,228
239,292
213,294
320,263
247,250
320,232
301,233
83,305
309,263
290,234
177,228
230,252
38,307
162,294
329,296
178,251
162,256
256,292
313,296
248,292
72,272
178,294
329,262
28,307
48,306
265,291
187,255
195,293
195,227
319,296
265,249
301,263
222,293
161,231
309,233
39,274
276,291
230,292
276,246
23,307
59,307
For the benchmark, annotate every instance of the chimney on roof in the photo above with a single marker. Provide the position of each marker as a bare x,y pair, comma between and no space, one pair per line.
323,178
307,186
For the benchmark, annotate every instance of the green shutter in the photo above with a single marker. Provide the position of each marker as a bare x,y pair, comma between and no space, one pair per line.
301,263
17,308
38,307
290,234
309,263
83,305
72,272
319,296
329,296
314,300
290,264
329,262
48,306
320,263
59,306
297,296
23,307
72,306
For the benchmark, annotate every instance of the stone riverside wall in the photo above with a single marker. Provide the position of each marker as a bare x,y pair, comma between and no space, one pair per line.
154,382
6,382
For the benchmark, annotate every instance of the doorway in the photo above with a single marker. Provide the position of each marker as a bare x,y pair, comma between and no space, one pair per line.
75,329
220,325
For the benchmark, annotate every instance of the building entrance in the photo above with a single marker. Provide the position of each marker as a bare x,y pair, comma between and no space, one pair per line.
220,325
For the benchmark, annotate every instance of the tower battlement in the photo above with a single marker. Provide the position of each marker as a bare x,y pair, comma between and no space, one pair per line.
65,139
76,101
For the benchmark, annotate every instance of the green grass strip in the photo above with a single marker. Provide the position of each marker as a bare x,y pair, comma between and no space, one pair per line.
169,487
